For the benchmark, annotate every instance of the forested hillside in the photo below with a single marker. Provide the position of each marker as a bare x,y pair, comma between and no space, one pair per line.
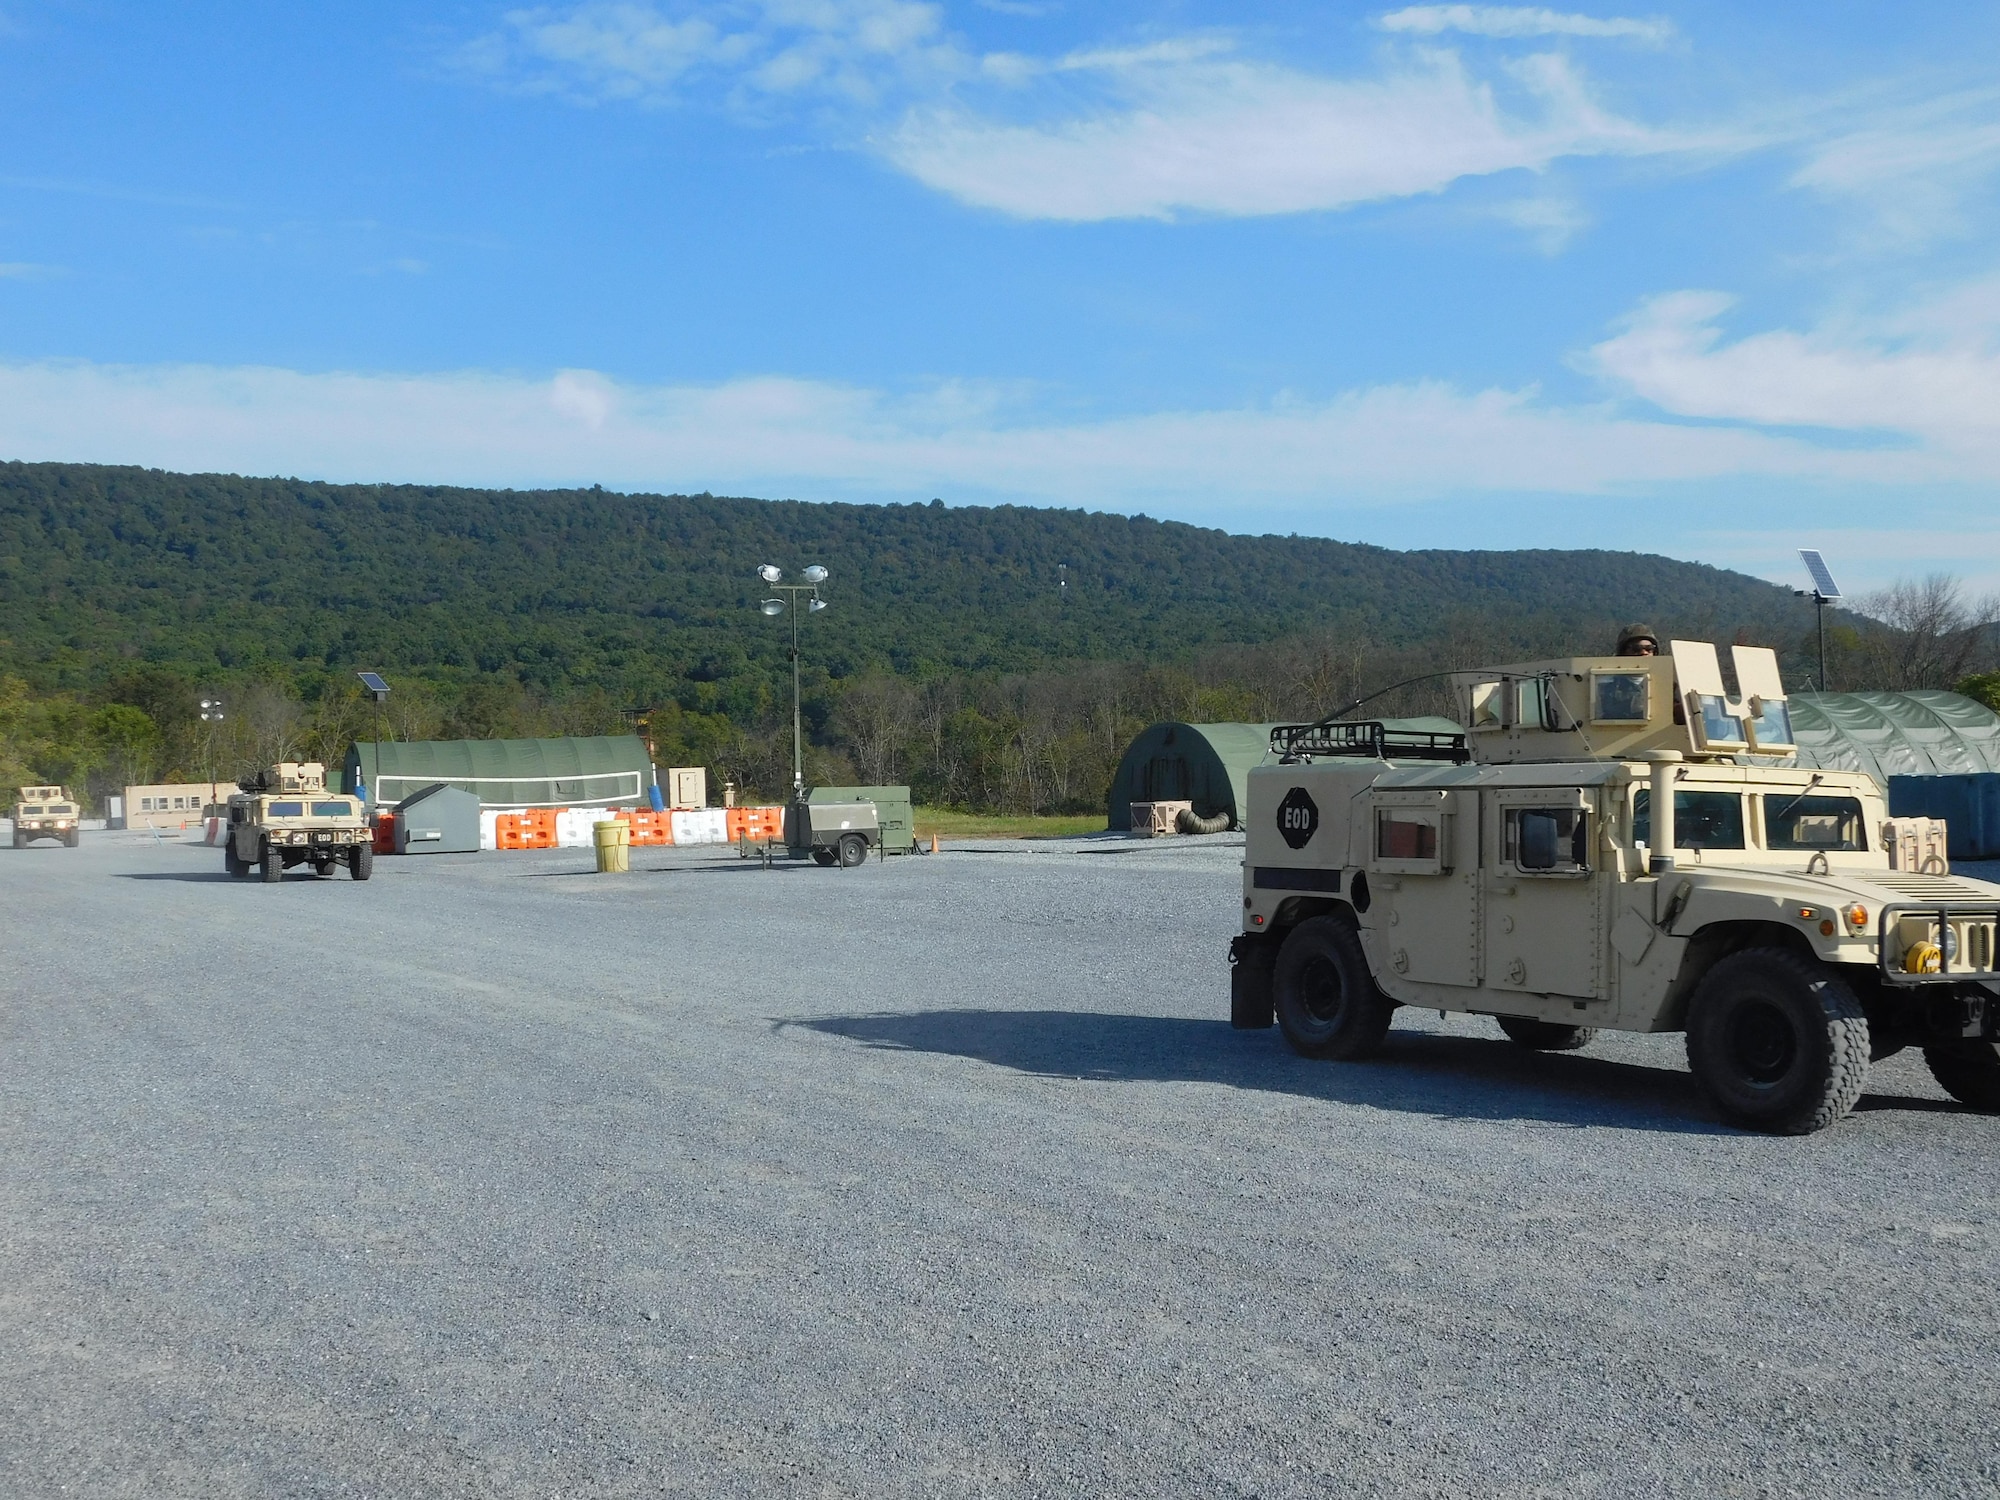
511,611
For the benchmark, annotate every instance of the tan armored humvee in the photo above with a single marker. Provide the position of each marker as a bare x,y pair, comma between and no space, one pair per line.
46,812
1614,842
285,816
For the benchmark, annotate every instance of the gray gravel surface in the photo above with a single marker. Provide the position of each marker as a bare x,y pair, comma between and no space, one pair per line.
937,1177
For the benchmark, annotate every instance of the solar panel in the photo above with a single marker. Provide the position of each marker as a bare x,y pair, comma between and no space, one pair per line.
375,684
1823,582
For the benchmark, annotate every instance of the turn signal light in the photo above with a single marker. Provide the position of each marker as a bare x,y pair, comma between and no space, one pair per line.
1826,928
1857,918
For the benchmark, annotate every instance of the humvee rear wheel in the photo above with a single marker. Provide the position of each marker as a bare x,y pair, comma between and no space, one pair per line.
73,837
853,850
1776,1042
361,861
230,862
1327,1002
272,865
1969,1071
1546,1036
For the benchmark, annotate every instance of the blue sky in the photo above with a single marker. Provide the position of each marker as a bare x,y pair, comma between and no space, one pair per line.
1713,280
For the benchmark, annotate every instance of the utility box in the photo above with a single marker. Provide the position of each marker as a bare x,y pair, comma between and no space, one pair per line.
893,814
1152,820
440,819
687,786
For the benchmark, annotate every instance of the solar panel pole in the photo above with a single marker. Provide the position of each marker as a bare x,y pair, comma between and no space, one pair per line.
1823,592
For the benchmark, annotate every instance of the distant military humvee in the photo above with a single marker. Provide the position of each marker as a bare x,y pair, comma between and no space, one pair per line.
285,816
46,812
1613,842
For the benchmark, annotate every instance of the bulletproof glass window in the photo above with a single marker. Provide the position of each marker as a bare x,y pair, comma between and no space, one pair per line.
1620,697
1813,823
1531,703
288,810
1702,820
31,811
1548,840
1486,701
332,810
1774,725
1718,725
1405,835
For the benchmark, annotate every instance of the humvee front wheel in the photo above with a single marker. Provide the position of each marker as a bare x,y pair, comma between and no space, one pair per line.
1969,1071
1327,1002
361,861
1546,1036
272,866
1777,1043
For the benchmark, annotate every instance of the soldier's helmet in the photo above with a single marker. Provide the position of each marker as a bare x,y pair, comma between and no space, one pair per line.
1631,635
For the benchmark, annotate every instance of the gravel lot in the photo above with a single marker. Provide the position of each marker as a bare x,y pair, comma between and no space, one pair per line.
938,1177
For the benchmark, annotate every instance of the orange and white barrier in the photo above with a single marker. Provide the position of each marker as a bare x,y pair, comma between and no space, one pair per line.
571,827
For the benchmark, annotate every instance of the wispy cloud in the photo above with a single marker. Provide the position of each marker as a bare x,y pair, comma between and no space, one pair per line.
1926,376
631,50
1520,21
1216,134
1911,167
23,270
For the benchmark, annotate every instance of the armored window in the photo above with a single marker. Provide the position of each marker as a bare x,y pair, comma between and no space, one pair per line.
1621,697
332,810
1813,823
1702,820
1486,706
1531,703
1774,725
1719,724
288,810
1405,835
1547,840
32,812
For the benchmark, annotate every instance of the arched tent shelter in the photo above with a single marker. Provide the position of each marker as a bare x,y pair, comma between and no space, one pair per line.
1206,764
611,770
1896,734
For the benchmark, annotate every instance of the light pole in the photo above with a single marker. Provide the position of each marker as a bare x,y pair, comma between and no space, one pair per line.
811,578
211,715
379,691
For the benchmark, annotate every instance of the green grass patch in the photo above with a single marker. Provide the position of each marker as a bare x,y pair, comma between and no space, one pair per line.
957,825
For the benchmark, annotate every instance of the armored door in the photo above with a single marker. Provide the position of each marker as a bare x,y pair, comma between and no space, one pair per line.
1424,885
1543,921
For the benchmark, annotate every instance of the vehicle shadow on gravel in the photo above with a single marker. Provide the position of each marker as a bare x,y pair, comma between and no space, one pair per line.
1418,1072
175,875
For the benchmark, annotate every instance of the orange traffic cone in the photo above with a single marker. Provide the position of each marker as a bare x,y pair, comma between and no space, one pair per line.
934,844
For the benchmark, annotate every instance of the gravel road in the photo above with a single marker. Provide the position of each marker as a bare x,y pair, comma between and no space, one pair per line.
938,1177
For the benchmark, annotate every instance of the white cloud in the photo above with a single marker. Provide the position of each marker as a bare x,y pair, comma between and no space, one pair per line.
1218,135
633,50
1372,446
26,270
1912,168
1928,375
1519,21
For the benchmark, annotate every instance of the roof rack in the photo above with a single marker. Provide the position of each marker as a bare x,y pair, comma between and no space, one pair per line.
1369,737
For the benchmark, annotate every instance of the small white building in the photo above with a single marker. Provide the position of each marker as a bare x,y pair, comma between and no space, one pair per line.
172,805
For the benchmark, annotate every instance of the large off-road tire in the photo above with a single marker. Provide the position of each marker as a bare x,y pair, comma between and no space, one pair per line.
825,858
1776,1042
20,841
231,863
1969,1071
1546,1036
853,850
73,838
271,867
361,861
1327,1001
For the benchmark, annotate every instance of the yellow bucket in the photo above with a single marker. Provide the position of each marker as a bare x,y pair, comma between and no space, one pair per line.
614,846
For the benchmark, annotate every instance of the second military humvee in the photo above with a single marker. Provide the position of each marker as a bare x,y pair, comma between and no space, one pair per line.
1614,842
284,816
46,812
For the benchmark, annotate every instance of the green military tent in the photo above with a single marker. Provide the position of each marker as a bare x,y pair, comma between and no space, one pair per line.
609,770
1896,734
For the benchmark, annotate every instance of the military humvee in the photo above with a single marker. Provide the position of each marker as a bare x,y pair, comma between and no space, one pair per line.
1613,842
285,816
46,812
